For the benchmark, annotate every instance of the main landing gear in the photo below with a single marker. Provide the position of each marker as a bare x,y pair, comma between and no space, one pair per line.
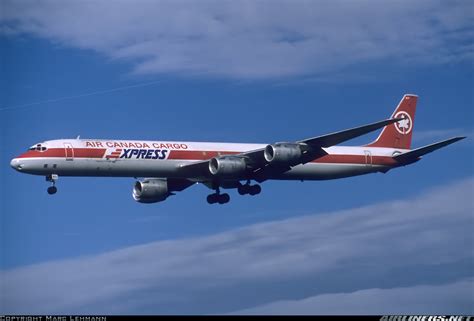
245,189
52,178
218,198
249,189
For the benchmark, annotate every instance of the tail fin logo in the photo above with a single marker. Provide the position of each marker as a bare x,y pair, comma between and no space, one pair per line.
403,126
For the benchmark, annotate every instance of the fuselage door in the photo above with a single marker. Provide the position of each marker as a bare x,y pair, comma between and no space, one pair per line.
368,158
69,151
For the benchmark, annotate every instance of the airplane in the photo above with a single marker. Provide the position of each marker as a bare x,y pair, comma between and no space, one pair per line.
169,167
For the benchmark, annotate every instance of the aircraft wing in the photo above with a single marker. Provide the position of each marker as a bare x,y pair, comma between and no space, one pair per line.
342,136
414,155
313,149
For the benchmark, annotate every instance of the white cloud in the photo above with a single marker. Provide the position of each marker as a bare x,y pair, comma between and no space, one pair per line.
410,300
423,241
252,39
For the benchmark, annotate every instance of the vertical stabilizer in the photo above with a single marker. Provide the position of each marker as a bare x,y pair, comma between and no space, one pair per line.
398,135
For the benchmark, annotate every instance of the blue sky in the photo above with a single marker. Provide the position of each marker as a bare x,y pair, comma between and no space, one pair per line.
243,72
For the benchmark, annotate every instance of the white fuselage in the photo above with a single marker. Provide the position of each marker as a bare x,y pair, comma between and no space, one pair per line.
126,158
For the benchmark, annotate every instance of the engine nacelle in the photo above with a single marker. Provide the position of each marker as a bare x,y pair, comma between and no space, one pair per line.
150,190
227,166
284,153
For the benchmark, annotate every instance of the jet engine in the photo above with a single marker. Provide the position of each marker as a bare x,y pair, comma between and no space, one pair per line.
150,190
283,153
227,166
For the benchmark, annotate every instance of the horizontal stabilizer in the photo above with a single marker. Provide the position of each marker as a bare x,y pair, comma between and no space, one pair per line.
416,153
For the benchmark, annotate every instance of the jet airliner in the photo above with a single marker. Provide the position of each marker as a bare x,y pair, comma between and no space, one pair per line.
169,167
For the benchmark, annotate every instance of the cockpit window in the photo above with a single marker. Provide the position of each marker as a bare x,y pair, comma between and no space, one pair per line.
38,147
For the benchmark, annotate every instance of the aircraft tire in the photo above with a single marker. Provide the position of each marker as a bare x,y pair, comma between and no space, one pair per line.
52,190
212,198
255,189
243,189
224,198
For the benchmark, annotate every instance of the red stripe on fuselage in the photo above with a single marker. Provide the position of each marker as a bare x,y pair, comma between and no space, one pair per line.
334,159
355,159
202,155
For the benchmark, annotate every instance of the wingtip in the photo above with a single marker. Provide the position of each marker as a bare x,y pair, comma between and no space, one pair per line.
455,139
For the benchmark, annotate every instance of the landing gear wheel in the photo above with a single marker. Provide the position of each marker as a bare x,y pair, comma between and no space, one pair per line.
212,198
243,189
218,198
255,189
52,190
224,198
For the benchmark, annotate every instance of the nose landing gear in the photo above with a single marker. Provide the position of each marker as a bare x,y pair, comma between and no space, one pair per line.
52,178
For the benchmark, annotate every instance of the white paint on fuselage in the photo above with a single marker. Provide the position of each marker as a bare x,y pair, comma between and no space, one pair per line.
132,167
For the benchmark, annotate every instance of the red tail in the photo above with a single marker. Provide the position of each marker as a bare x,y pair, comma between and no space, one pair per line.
398,135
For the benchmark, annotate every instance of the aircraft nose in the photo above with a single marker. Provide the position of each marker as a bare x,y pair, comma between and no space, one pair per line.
15,163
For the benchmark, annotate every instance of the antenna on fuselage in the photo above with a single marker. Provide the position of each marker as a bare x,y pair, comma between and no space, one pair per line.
78,136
